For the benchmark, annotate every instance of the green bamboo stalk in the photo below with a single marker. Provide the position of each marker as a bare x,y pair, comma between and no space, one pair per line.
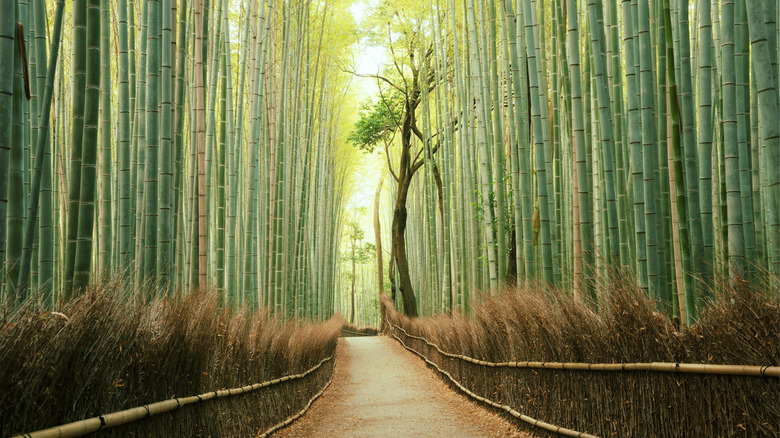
123,141
687,114
45,232
200,141
164,260
139,145
152,144
16,163
518,80
26,259
104,212
585,255
179,197
648,156
484,154
736,247
497,144
705,129
686,298
743,131
538,135
635,142
768,110
607,143
6,115
88,181
77,126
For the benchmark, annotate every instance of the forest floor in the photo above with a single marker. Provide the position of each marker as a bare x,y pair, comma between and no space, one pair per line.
381,390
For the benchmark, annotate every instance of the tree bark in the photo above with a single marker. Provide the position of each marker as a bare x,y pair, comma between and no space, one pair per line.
352,302
380,278
399,249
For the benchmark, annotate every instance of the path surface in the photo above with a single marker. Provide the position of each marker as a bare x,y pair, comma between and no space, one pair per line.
381,390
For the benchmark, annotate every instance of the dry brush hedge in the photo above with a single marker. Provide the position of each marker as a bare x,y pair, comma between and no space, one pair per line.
351,330
107,351
742,328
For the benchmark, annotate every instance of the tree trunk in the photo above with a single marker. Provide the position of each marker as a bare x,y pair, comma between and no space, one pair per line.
352,296
399,248
380,275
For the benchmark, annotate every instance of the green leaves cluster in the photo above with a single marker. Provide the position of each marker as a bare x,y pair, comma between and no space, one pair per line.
377,122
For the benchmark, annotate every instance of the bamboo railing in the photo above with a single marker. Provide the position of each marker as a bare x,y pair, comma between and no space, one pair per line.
508,409
667,367
83,427
298,415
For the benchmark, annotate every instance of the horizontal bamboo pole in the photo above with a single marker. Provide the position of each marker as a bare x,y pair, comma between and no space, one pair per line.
666,367
83,427
546,426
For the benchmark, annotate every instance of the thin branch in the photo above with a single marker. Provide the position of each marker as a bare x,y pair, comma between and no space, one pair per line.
390,164
377,77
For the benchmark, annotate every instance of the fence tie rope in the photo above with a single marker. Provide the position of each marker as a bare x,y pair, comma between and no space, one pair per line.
89,425
506,408
665,367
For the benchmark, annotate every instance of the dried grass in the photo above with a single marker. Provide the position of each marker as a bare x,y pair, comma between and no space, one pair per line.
351,330
537,324
109,350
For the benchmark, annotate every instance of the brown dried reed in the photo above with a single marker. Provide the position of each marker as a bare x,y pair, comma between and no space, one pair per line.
538,324
111,350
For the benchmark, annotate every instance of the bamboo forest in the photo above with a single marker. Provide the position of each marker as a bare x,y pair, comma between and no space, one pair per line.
495,218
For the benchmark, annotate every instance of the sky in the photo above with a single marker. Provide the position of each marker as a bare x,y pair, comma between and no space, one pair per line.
368,60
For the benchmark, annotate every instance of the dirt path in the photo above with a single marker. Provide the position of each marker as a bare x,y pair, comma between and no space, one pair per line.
381,390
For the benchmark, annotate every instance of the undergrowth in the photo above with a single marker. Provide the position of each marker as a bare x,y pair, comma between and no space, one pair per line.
107,351
351,330
741,327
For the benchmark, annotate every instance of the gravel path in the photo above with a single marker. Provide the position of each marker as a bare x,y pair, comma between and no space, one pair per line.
381,390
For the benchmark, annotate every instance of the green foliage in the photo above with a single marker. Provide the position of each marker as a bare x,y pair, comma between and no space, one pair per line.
377,122
358,251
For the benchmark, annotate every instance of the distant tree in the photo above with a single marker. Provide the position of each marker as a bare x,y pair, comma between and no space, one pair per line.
395,114
359,253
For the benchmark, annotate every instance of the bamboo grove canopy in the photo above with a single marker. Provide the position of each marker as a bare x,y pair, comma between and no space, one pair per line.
200,143
190,143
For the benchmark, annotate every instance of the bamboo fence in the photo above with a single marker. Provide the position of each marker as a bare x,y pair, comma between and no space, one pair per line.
667,367
508,409
114,419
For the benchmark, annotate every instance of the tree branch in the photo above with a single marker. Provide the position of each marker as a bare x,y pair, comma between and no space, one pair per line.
389,163
377,77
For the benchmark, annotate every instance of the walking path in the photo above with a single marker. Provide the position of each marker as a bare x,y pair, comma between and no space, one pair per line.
381,390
